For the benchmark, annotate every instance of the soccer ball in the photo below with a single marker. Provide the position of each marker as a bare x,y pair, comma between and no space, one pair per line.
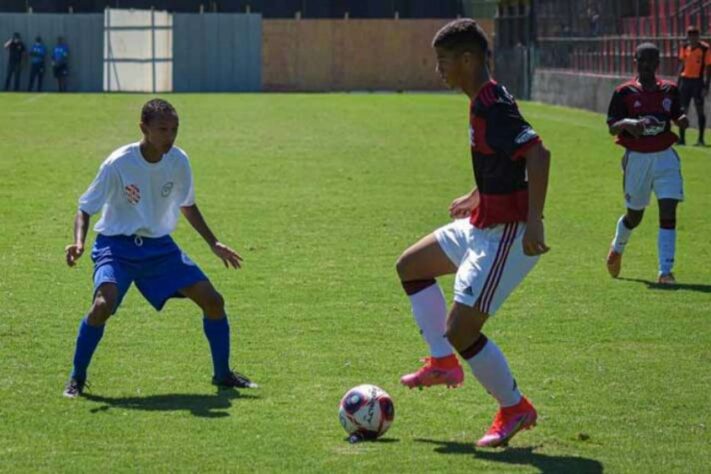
366,411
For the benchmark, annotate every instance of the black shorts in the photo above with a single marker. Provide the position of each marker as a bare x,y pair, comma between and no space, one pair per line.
60,70
691,89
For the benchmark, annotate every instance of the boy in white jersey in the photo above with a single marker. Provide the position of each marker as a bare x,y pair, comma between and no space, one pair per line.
141,190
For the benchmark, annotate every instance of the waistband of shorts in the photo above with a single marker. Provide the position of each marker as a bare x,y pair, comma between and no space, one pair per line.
138,240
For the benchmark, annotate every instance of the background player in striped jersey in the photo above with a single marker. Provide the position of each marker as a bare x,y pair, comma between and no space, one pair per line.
493,243
640,115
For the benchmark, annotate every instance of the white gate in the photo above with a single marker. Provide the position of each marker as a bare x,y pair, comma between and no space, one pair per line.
138,51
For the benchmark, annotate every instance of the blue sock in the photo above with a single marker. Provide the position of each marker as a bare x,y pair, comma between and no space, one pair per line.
87,340
217,332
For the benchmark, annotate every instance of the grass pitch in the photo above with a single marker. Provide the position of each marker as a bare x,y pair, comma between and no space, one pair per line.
320,194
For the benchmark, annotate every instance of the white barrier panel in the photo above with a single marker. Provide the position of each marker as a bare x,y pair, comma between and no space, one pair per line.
138,51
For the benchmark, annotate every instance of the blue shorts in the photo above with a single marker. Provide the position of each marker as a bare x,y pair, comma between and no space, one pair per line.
157,266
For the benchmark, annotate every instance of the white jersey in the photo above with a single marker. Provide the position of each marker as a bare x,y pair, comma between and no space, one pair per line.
138,197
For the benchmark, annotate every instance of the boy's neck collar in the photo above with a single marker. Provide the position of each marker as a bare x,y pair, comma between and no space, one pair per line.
149,153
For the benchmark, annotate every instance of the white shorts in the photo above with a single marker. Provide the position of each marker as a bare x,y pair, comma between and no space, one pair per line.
646,172
491,261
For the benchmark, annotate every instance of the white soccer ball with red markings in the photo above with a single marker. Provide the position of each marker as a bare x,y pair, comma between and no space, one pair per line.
367,411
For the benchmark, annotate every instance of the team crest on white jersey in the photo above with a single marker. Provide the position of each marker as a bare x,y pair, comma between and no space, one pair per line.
133,194
166,189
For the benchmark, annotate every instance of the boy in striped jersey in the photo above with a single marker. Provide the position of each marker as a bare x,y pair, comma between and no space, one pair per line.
494,241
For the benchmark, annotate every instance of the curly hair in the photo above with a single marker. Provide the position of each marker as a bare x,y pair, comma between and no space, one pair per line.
155,108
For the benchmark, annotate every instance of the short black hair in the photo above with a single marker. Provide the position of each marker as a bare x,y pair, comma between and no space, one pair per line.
462,35
693,30
155,108
644,47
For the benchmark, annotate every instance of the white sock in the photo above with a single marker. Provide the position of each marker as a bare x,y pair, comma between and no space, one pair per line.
492,371
622,235
430,311
667,247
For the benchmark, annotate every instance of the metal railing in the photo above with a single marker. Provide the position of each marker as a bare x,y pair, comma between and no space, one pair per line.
606,55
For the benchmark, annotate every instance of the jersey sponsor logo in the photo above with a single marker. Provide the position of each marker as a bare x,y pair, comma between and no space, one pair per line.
526,136
166,189
667,104
133,194
653,126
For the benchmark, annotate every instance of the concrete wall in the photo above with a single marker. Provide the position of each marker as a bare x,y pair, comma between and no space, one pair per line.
583,91
337,55
217,52
84,36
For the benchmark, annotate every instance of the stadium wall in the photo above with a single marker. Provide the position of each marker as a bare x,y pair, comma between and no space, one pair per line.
344,55
217,52
583,91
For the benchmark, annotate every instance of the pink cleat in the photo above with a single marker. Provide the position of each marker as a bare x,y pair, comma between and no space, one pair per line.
507,423
436,371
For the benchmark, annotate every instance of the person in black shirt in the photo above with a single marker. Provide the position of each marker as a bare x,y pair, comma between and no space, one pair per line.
16,48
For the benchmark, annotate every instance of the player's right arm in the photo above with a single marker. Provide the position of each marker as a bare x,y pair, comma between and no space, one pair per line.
634,127
618,121
681,66
81,227
90,203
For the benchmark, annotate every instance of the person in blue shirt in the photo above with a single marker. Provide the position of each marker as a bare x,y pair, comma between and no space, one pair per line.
60,63
38,54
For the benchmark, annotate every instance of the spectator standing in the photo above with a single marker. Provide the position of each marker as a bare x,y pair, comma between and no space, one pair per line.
38,54
60,63
16,49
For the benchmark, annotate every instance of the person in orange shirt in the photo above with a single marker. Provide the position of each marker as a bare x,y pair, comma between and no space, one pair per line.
695,57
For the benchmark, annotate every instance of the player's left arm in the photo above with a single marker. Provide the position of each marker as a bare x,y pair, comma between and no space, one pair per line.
537,167
228,256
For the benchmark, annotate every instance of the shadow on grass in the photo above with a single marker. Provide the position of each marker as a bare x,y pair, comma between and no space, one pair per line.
653,285
204,406
545,463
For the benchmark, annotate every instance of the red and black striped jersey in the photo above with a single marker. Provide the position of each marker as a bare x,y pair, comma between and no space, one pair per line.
499,137
658,108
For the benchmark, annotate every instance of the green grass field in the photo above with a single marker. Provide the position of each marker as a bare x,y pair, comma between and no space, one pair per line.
320,194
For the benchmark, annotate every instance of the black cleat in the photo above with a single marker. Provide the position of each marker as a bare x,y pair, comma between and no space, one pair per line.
234,380
74,388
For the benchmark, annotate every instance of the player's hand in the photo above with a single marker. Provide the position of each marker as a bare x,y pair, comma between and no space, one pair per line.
635,127
463,206
533,240
73,252
228,256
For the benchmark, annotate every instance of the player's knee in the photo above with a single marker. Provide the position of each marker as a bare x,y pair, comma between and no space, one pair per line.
403,265
102,308
633,219
214,305
463,330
